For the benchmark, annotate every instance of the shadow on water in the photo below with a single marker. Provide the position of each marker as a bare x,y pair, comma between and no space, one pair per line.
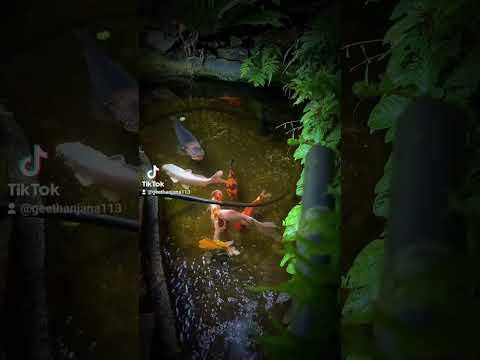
219,316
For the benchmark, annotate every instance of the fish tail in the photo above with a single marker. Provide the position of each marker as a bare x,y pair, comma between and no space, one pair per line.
217,177
268,228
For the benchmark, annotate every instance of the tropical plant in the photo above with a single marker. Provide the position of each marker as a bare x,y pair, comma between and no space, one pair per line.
427,55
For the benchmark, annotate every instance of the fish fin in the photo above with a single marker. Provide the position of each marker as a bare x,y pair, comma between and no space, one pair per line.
85,180
175,180
110,195
232,251
118,157
185,186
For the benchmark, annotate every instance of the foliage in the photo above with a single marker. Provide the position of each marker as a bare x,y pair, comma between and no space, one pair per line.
427,56
312,81
265,17
208,16
259,68
363,280
311,288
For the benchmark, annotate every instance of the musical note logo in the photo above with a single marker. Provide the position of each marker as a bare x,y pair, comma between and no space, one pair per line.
153,173
29,167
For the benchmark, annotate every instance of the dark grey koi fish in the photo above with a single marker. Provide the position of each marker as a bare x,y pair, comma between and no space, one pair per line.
115,90
187,142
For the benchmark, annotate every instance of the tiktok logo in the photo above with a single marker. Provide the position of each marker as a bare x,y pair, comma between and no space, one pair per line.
153,173
31,167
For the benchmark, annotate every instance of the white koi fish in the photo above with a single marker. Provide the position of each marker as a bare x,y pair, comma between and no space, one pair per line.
186,178
91,166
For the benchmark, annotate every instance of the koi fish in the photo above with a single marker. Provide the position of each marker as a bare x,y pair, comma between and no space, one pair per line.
111,173
241,225
233,216
232,100
115,90
188,144
208,244
231,184
187,178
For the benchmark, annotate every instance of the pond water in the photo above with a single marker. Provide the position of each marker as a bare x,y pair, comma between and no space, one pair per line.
219,315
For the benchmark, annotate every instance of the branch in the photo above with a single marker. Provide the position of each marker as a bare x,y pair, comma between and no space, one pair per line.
287,123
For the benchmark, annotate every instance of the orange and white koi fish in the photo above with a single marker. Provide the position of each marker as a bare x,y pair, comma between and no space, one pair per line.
241,225
231,184
267,228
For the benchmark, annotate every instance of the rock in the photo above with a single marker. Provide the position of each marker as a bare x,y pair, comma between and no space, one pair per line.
213,44
159,40
282,38
234,54
235,41
164,94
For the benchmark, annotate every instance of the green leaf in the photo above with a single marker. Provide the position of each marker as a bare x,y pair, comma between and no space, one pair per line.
367,266
464,80
291,223
386,112
286,258
383,184
398,30
358,308
291,267
301,152
300,184
381,205
364,89
333,138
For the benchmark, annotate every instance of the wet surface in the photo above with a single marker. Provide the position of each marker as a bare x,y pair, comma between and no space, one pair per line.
213,295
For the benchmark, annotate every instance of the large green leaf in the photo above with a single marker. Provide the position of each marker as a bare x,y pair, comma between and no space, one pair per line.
367,267
363,279
381,205
302,152
300,184
358,308
386,112
291,223
466,77
383,185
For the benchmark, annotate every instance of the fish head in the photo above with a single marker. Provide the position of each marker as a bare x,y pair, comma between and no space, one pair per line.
195,151
232,188
217,195
166,168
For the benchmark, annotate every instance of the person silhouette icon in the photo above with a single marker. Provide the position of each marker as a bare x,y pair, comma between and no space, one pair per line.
11,209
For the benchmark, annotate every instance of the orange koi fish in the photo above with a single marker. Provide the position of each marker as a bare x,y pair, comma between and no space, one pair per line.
242,225
208,244
231,184
232,100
